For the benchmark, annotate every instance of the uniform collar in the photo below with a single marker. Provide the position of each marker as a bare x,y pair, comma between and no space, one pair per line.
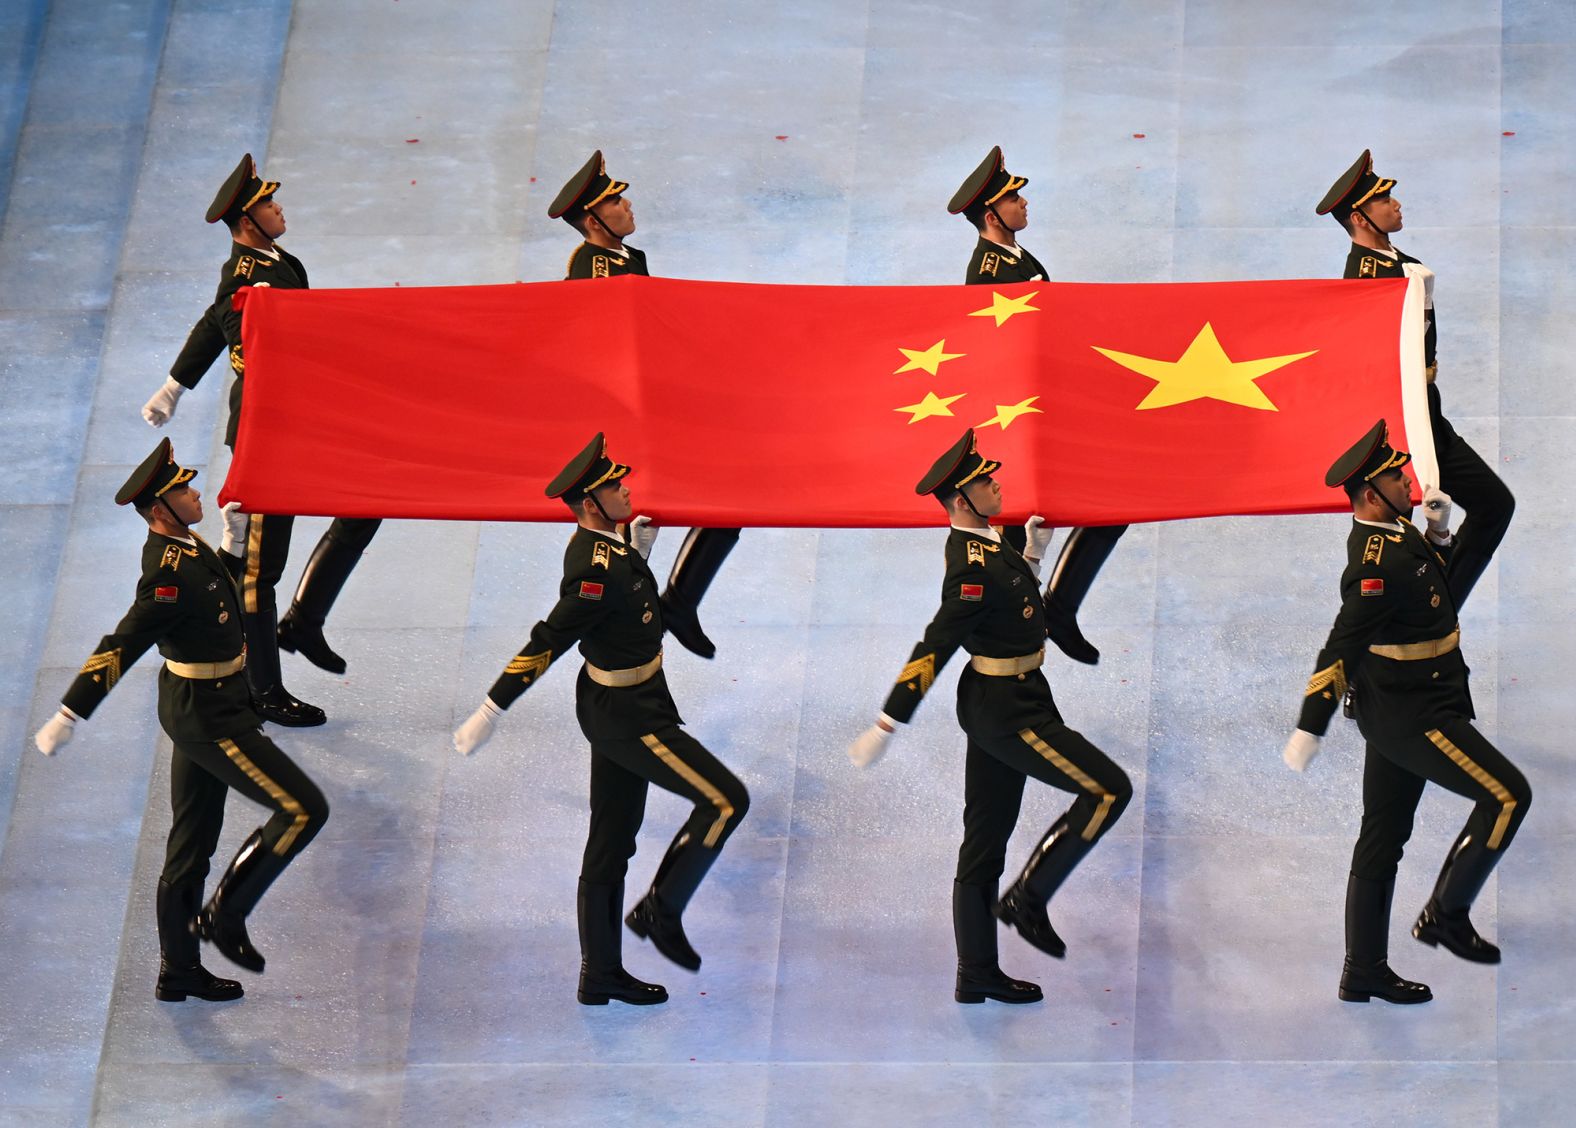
1387,526
987,533
615,536
1014,250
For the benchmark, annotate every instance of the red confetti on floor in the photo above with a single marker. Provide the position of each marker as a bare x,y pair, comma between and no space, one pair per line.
1508,133
412,140
1139,136
782,136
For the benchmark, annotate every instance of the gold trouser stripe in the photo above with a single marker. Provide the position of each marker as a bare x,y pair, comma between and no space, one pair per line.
203,671
254,562
622,679
695,780
1507,802
1431,373
1414,651
275,792
1007,667
1061,561
1079,776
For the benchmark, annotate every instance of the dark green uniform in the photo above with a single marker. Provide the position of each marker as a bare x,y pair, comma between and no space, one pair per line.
189,607
993,264
592,261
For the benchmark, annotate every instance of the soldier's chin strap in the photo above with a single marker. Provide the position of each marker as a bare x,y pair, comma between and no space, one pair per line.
596,501
1407,517
968,501
1372,226
619,243
1011,234
170,509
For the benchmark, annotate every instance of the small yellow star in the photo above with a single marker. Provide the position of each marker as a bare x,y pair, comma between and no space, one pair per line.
932,404
1204,371
927,359
1006,413
1002,308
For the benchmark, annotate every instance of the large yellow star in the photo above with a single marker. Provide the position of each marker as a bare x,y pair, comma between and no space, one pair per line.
932,404
1204,371
1006,413
1002,308
927,359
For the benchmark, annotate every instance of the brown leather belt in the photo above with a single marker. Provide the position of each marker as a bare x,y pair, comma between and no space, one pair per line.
620,679
1413,651
206,671
1008,667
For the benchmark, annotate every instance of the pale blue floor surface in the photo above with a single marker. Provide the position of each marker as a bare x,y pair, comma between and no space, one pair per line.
422,953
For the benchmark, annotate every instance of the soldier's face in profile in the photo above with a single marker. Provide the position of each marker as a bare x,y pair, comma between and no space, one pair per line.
268,217
985,493
616,215
615,500
1396,487
185,502
1384,212
1013,210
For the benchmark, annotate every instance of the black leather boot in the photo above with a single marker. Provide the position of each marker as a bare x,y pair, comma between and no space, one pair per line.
659,917
332,561
1082,556
180,969
1444,920
222,921
1366,973
1023,905
269,697
974,929
602,974
694,568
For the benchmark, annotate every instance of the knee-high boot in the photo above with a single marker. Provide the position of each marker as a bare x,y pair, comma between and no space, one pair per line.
1366,973
659,917
695,567
332,561
1023,905
974,930
222,921
270,698
602,974
1082,556
1445,919
180,967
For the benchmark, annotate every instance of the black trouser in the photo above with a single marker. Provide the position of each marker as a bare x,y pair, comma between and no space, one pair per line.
1458,758
1473,485
993,778
200,776
268,548
675,761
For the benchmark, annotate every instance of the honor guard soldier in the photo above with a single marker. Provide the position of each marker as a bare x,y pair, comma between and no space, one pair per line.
608,604
188,605
991,201
1394,656
594,204
991,607
1362,202
256,546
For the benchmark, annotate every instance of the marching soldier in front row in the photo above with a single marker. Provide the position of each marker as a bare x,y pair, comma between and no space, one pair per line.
991,201
991,607
256,546
1394,655
594,204
188,605
608,604
1363,203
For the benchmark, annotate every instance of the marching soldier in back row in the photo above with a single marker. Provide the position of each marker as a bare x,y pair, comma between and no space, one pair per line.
256,546
1363,203
609,606
188,605
991,607
594,204
1394,656
990,199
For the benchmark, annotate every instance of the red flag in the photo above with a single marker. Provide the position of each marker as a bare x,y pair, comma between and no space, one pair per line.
822,405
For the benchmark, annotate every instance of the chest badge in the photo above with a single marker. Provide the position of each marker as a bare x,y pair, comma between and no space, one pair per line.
213,585
1434,602
224,616
1028,611
646,618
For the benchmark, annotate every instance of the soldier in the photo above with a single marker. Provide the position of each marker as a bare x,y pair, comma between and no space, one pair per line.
990,607
1394,655
607,603
188,605
594,204
256,546
990,200
1362,203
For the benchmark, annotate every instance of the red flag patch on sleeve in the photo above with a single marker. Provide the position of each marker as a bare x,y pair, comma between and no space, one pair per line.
166,594
972,592
589,590
1373,587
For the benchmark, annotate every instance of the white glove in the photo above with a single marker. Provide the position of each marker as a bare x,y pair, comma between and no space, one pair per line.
1300,750
642,535
477,728
158,410
236,524
56,733
1436,507
1038,535
870,746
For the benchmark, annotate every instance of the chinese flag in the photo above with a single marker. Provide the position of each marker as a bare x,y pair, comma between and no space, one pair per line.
822,405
